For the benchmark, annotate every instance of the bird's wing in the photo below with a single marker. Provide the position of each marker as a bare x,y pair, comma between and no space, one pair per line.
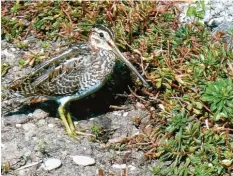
49,76
57,60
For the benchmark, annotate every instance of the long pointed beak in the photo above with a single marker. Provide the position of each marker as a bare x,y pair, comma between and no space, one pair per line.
131,67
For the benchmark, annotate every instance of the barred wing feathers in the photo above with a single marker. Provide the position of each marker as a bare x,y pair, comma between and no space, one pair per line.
56,76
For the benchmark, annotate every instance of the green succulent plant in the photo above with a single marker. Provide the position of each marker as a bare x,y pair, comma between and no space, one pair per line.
219,95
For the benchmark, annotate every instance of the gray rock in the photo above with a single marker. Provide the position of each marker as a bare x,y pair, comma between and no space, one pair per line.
219,20
227,26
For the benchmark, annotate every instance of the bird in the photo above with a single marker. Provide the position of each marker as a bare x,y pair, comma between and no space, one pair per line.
73,74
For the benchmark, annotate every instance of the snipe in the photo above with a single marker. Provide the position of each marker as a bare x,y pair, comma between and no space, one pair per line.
74,74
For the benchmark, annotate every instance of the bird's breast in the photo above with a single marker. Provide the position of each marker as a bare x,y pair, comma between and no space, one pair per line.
99,70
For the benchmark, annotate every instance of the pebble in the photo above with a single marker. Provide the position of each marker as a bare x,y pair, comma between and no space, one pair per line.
51,164
83,160
119,166
50,125
13,49
131,167
125,114
18,125
117,113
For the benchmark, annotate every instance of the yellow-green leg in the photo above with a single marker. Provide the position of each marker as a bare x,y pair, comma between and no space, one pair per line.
68,122
69,128
71,123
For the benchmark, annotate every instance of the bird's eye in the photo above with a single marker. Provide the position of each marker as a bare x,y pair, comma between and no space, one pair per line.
101,34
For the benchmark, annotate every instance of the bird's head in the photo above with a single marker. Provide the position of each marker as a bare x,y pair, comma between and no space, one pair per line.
103,38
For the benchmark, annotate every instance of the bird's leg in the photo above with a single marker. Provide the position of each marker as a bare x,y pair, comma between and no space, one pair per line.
71,125
61,111
70,122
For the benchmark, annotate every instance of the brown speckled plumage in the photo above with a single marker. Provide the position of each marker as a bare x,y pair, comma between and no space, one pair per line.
71,72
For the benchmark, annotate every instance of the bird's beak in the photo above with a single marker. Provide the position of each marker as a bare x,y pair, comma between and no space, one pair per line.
131,67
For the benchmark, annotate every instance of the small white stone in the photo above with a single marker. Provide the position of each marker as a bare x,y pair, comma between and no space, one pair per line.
116,113
18,125
13,49
119,166
51,164
83,160
50,125
131,167
125,114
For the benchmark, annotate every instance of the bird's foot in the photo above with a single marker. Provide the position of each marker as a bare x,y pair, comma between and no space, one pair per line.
72,133
77,134
69,125
84,134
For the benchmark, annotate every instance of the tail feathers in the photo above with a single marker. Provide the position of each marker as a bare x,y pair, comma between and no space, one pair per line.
14,104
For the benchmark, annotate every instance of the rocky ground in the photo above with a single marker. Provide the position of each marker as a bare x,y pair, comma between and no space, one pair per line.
32,140
38,138
218,16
